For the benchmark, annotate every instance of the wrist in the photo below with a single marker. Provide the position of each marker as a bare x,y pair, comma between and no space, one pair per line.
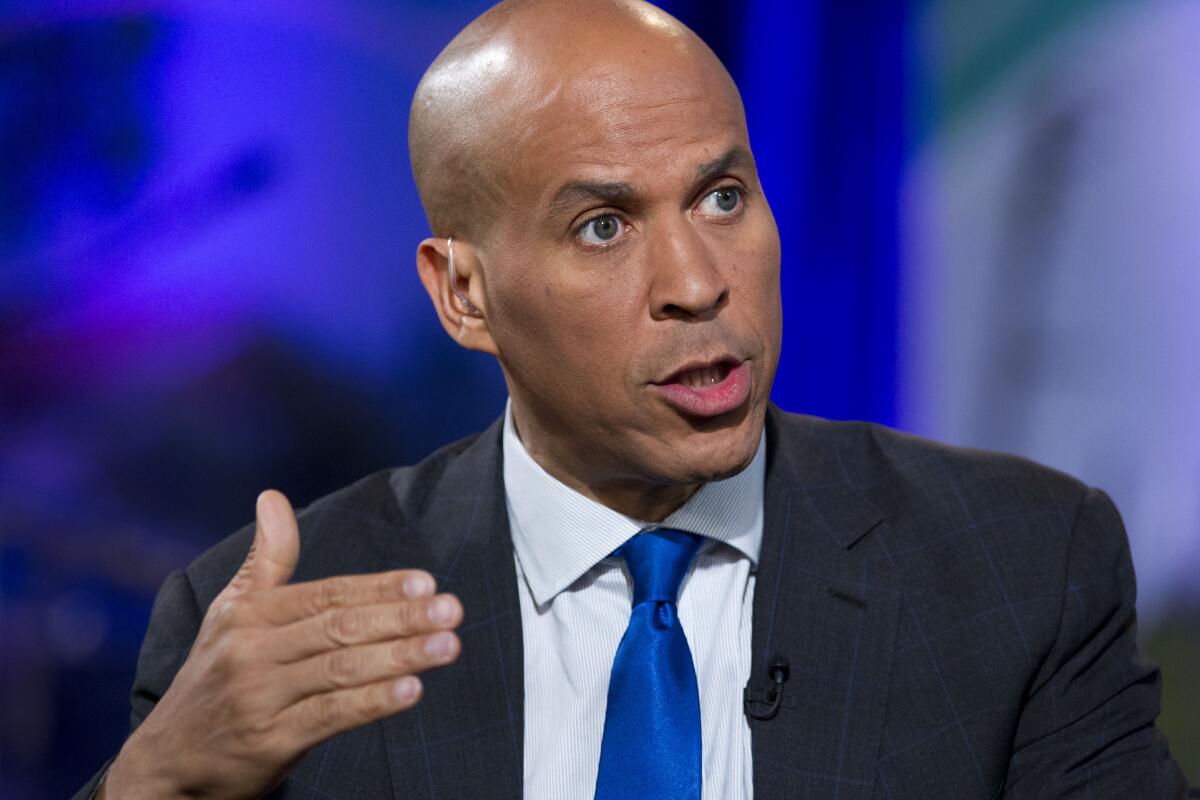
132,776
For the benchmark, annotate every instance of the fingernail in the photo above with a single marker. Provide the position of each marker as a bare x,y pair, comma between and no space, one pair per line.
441,611
418,586
439,645
406,688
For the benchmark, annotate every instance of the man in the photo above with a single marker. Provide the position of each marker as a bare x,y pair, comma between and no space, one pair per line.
642,536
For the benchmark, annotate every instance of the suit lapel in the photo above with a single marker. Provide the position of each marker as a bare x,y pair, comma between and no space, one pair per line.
826,599
466,736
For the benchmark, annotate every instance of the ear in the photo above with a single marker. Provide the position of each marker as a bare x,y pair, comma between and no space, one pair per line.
465,322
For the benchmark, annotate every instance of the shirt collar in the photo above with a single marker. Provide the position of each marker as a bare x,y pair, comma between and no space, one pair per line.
559,534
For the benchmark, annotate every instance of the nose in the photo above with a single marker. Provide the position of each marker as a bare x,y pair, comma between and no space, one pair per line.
687,281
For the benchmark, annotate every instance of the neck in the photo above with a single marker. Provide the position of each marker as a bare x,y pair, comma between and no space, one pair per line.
643,500
645,503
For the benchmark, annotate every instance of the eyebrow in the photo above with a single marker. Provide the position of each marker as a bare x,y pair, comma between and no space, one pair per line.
577,192
736,157
625,195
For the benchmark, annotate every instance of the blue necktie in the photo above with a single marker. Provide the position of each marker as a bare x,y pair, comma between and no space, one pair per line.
651,746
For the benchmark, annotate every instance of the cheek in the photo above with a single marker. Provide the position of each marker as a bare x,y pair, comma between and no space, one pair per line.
570,323
754,274
600,323
526,319
611,305
764,247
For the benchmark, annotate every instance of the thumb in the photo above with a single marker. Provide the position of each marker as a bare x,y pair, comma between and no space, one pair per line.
272,556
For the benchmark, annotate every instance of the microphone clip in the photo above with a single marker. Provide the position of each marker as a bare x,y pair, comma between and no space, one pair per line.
778,671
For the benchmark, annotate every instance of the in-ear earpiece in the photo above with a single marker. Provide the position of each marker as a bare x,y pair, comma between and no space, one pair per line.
468,306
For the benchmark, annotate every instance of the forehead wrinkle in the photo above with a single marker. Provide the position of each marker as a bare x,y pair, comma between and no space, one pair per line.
612,180
637,117
627,195
622,142
616,91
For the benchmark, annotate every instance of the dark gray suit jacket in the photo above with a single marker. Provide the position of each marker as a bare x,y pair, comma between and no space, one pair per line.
959,624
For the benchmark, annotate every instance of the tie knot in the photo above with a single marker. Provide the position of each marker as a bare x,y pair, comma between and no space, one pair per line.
658,560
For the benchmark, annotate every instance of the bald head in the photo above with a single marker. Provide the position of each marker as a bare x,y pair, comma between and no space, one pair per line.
478,104
616,251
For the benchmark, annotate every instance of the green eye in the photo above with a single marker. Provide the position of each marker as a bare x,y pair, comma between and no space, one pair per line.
601,230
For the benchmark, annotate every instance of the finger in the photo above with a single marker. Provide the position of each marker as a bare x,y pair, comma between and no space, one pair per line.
300,601
348,626
318,717
277,539
276,546
348,667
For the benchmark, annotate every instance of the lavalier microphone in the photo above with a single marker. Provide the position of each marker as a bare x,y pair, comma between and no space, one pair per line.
778,671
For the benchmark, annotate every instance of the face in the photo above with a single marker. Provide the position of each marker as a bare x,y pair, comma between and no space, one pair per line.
632,275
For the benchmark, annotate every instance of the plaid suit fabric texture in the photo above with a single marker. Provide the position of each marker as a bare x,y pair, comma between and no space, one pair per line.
959,625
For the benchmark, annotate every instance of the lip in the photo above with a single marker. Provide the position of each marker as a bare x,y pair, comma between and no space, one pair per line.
708,401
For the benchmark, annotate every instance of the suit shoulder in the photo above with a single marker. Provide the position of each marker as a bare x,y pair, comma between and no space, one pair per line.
908,474
984,482
968,532
336,530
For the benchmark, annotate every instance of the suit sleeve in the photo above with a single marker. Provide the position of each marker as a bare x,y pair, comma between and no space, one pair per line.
1087,729
174,623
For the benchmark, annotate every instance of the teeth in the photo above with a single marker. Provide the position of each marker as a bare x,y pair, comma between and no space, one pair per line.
699,378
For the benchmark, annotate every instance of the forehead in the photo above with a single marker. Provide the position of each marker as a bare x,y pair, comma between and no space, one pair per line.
650,116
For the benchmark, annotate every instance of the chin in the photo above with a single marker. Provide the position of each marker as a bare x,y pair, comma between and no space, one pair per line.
714,449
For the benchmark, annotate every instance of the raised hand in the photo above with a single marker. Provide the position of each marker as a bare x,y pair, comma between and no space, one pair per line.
278,668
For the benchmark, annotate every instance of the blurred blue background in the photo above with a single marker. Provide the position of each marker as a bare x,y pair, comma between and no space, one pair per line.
207,284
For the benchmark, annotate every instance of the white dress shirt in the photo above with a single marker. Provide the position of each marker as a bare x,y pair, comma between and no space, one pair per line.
576,604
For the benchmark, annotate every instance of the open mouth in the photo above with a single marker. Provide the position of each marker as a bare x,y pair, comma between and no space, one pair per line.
700,377
707,390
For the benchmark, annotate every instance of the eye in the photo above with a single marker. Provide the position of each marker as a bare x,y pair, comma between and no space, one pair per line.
721,202
601,230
